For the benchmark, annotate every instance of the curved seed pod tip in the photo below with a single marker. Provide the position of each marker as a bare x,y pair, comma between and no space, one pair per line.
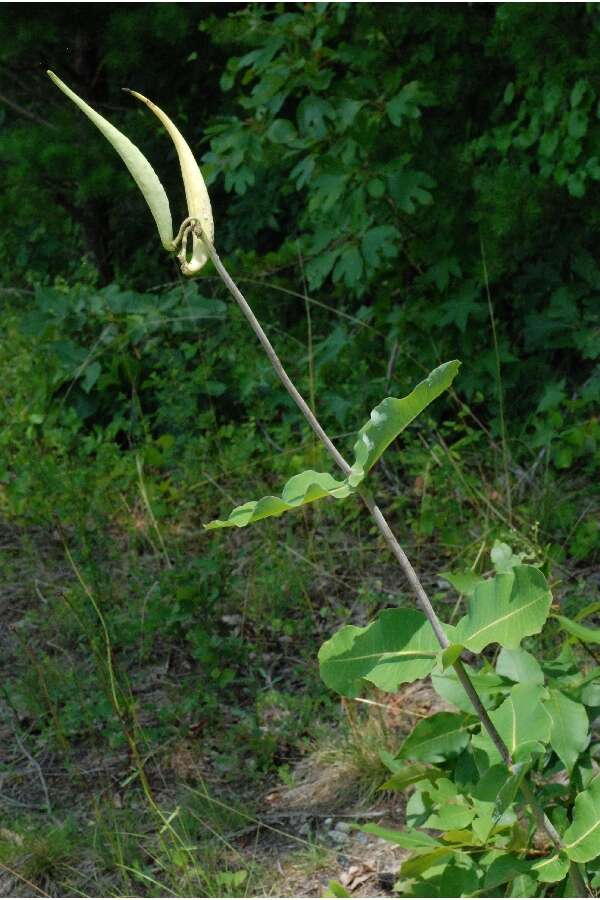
196,193
142,172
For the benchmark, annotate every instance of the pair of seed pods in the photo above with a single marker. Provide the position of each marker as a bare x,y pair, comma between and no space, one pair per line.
199,224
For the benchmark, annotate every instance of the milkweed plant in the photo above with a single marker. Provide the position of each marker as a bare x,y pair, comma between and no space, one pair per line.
505,794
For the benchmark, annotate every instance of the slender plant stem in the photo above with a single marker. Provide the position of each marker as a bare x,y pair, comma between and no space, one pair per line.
499,388
389,537
273,358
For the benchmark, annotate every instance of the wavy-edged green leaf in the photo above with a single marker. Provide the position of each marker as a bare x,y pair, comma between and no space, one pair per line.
505,609
398,647
582,632
392,416
569,727
521,721
141,171
582,837
436,738
299,490
196,194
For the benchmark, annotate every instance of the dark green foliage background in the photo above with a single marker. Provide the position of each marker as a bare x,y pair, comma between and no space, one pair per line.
389,147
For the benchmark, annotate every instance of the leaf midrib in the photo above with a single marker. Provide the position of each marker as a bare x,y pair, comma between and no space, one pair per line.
496,622
416,654
585,834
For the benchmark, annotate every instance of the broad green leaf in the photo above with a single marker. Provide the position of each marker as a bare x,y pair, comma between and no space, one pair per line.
409,840
569,727
503,558
582,632
518,665
436,738
392,416
407,775
521,721
196,194
461,836
299,490
142,172
450,817
552,869
398,647
505,609
582,838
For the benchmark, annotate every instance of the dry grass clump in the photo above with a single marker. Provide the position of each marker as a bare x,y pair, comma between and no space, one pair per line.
344,771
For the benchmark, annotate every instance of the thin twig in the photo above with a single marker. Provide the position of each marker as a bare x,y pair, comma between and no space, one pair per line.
23,879
150,511
499,387
26,112
38,769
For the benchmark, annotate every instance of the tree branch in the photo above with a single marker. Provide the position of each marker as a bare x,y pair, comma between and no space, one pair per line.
26,113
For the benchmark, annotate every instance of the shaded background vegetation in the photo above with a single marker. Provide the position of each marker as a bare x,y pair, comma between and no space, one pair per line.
383,177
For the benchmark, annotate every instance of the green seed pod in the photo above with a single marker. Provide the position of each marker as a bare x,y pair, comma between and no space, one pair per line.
142,172
195,191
